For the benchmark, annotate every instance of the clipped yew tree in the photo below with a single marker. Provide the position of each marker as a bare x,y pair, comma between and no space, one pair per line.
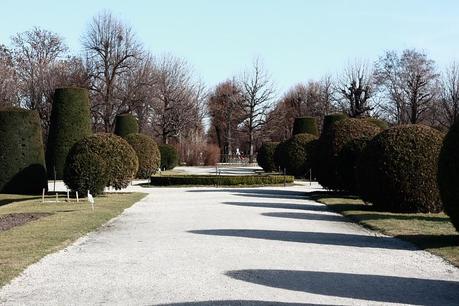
120,158
147,153
126,124
265,156
448,174
297,156
307,125
169,156
279,153
398,170
22,159
70,122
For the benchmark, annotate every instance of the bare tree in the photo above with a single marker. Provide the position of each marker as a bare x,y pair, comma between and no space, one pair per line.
257,95
409,83
8,79
36,53
450,95
111,50
355,88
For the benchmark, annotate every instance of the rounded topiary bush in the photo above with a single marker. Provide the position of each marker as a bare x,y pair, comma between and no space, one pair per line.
305,125
147,153
169,156
398,169
126,124
296,156
70,122
346,163
331,143
121,159
22,159
279,153
448,174
265,156
86,171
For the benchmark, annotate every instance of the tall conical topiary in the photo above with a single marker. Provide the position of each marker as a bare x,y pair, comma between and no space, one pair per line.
22,159
70,122
306,125
126,124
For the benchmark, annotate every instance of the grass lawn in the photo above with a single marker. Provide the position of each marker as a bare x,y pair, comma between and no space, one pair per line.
431,232
23,245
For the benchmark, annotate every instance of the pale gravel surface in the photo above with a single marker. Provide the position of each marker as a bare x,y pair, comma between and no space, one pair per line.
208,246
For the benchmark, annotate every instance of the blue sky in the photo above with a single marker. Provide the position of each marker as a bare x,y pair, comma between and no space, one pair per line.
297,40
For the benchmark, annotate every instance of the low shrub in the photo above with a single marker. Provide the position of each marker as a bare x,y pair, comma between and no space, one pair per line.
147,153
169,156
398,169
120,157
126,124
265,156
224,180
297,159
305,125
331,143
448,174
86,171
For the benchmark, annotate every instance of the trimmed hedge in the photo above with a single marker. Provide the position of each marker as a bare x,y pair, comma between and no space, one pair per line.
70,122
225,180
120,157
398,169
448,174
296,157
331,119
331,143
279,153
22,159
265,156
378,122
126,124
147,153
169,156
86,171
346,163
304,125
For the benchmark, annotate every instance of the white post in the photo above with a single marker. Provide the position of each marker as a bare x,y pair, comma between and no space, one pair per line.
68,197
77,196
43,196
57,198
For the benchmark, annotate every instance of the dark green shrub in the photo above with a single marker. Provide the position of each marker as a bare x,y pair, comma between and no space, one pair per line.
169,156
398,169
265,156
296,158
147,153
224,180
22,160
279,153
70,122
305,125
86,171
346,163
448,174
329,120
378,122
332,141
126,124
120,157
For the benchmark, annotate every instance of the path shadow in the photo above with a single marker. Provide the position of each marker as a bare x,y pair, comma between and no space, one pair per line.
306,216
259,193
349,240
375,288
432,241
318,207
239,303
9,201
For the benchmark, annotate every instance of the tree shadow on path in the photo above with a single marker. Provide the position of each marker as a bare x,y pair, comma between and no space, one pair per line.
239,303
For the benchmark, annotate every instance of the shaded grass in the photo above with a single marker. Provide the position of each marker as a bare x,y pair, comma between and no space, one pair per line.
430,232
23,245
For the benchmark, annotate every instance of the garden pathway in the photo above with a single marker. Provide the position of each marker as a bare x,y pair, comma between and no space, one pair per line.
234,246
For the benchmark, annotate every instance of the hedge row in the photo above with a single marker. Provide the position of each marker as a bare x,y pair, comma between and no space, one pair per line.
225,180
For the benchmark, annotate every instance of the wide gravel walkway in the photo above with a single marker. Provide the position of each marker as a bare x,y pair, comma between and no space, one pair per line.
207,246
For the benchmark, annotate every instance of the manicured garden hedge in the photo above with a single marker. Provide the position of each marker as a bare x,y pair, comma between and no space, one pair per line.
126,124
70,122
304,125
147,153
169,156
398,169
120,157
297,154
22,159
265,156
224,180
448,174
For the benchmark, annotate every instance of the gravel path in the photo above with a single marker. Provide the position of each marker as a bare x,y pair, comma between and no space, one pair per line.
261,246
